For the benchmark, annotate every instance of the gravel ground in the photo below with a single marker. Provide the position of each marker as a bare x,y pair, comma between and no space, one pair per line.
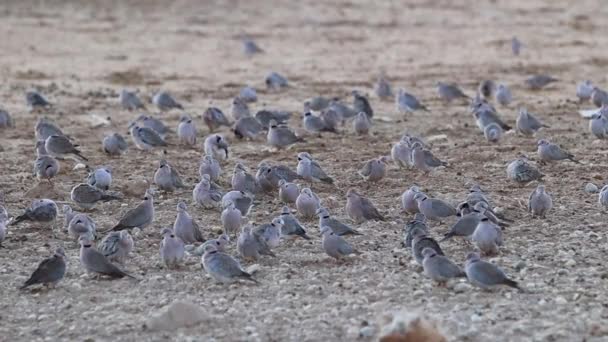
82,54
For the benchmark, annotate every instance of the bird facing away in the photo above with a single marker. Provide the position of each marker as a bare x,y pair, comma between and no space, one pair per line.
216,146
40,211
310,170
439,267
361,209
114,144
527,124
336,246
50,271
484,274
129,100
222,267
185,227
186,131
116,246
214,118
96,263
171,249
539,202
361,104
165,102
281,136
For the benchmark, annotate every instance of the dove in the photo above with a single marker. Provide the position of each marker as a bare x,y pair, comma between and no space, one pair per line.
157,125
484,209
95,262
215,118
424,160
40,150
68,215
538,82
129,100
449,92
232,219
50,271
415,224
317,103
243,180
82,225
439,267
374,169
492,132
476,195
101,178
222,267
59,146
420,241
315,124
338,227
203,195
165,102
343,110
116,246
248,94
46,167
484,274
242,201
250,247
274,81
3,214
166,177
171,248
270,232
465,226
216,146
146,138
40,211
603,197
5,119
521,171
268,176
401,154
599,97
408,203
433,208
220,243
408,103
288,192
265,116
584,90
45,128
361,209
86,196
487,237
141,216
35,100
211,167
485,115
281,136
383,89
307,203
291,227
527,124
539,202
247,128
185,227
335,246
548,152
503,95
362,124
114,144
239,109
598,125
250,47
331,119
486,89
3,232
186,131
361,104
515,46
310,170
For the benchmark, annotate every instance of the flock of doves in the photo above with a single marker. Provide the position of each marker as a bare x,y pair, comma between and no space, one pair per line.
477,220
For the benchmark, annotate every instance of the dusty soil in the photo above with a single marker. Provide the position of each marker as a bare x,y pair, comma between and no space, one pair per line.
80,54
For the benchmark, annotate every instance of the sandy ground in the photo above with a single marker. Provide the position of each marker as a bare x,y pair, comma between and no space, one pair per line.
80,55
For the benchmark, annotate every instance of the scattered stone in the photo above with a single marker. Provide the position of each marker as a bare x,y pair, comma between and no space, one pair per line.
461,287
367,332
591,188
177,315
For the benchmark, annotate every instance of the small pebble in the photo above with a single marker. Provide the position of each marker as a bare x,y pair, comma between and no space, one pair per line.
367,332
591,188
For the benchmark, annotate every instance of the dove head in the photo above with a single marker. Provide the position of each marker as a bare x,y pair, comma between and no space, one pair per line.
181,206
362,115
414,188
60,252
210,248
322,212
282,182
418,233
148,195
307,114
272,124
541,188
326,230
162,163
428,252
352,193
420,197
85,241
285,210
67,209
166,231
304,155
185,118
475,188
384,159
542,142
124,235
472,257
277,221
501,87
239,167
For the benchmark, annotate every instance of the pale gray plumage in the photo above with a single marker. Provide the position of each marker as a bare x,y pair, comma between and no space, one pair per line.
539,202
95,262
315,124
186,131
204,195
291,226
424,160
45,128
331,119
408,203
439,267
408,103
599,97
223,267
35,100
68,215
464,227
487,237
538,82
549,152
146,138
211,167
383,88
268,176
401,154
171,249
343,110
116,246
215,118
242,201
247,128
167,178
82,225
449,92
310,170
264,116
336,246
503,95
486,89
307,203
40,211
129,100
603,197
87,196
317,103
270,232
232,219
337,226
420,241
484,274
492,132
114,144
59,146
521,171
527,124
362,124
101,178
584,90
361,104
288,192
361,209
281,136
248,94
165,102
485,116
598,124
46,167
6,121
433,208
216,146
221,242
274,81
50,270
250,246
153,123
242,180
40,150
185,227
374,169
411,227
141,216
239,109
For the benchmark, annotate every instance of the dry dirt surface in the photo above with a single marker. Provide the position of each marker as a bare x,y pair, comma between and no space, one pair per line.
81,53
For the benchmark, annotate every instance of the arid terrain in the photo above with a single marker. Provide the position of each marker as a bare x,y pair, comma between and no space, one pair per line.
80,54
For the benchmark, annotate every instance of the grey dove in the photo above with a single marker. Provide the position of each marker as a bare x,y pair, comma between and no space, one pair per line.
250,47
221,242
232,219
242,180
68,215
186,131
362,124
449,92
153,123
408,203
275,81
584,89
424,160
307,203
408,103
439,267
167,178
317,103
310,170
538,82
433,208
116,246
515,46
214,118
40,150
171,248
487,237
35,100
549,152
40,211
101,178
129,100
291,227
50,271
464,227
45,128
250,246
527,124
374,169
239,109
46,167
114,144
315,124
96,263
492,132
270,232
216,146
361,209
521,171
265,116
599,97
603,197
82,225
337,226
420,241
268,176
344,111
141,216
87,196
288,192
485,116
503,95
539,202
185,227
383,88
146,138
223,267
361,104
247,128
242,201
331,119
598,124
6,121
281,136
59,146
248,94
165,102
211,167
336,246
401,154
204,195
486,89
484,274
411,228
